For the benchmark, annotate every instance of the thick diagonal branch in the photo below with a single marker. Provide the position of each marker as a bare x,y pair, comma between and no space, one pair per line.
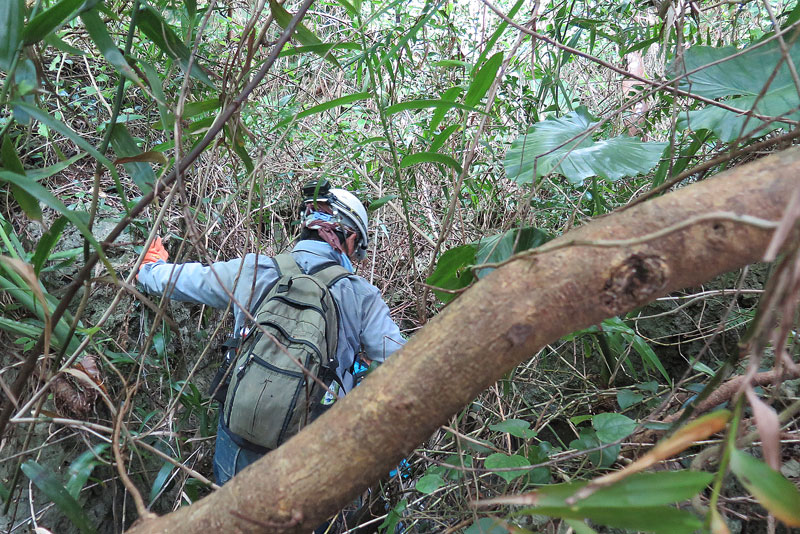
503,320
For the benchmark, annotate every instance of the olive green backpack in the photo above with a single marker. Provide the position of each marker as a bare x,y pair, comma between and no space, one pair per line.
270,398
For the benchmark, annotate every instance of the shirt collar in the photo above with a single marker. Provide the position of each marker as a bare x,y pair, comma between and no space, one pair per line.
323,250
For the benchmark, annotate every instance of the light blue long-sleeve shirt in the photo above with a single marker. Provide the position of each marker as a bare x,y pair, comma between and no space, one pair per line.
364,319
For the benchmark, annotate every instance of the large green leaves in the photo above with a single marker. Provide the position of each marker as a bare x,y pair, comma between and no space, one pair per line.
125,146
12,163
773,490
611,427
453,268
45,22
301,33
430,157
483,79
452,272
99,34
13,13
151,23
330,104
728,79
43,195
503,465
540,152
56,492
639,502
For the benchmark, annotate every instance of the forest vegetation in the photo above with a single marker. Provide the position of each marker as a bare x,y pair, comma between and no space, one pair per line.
585,216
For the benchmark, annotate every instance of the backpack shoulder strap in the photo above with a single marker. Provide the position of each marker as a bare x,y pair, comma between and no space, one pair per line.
285,265
330,273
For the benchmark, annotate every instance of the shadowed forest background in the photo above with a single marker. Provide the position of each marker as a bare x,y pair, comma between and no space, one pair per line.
474,131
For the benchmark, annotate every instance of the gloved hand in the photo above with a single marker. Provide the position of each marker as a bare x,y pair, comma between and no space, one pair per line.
155,252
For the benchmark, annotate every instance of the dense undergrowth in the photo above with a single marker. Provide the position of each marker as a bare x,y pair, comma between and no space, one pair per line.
471,138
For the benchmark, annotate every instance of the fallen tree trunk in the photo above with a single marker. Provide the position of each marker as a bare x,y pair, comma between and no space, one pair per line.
679,240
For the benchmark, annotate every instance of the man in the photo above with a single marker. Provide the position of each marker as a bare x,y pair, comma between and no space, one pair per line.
334,228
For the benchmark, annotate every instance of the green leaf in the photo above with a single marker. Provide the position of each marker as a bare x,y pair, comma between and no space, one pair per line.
191,8
325,106
579,527
500,247
458,461
158,31
627,398
13,13
78,219
12,163
453,63
46,172
47,242
451,271
703,368
429,483
55,491
81,469
141,173
638,490
303,34
579,158
649,356
99,34
61,128
380,202
350,8
48,20
430,157
728,125
515,427
4,493
56,42
154,81
501,28
320,49
588,439
578,419
502,461
657,519
774,491
724,79
611,427
424,103
483,80
438,115
237,143
26,80
651,386
440,139
431,9
160,480
394,516
202,106
487,525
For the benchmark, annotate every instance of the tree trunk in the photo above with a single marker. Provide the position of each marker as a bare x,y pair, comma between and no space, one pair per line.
501,321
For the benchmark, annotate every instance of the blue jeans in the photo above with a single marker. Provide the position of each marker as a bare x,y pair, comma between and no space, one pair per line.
230,458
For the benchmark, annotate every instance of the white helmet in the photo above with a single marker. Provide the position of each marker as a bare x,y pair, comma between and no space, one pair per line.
352,213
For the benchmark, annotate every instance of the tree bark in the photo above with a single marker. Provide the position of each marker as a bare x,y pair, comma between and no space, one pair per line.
504,319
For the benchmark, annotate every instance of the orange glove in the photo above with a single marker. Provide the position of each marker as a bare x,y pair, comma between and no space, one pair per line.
155,252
